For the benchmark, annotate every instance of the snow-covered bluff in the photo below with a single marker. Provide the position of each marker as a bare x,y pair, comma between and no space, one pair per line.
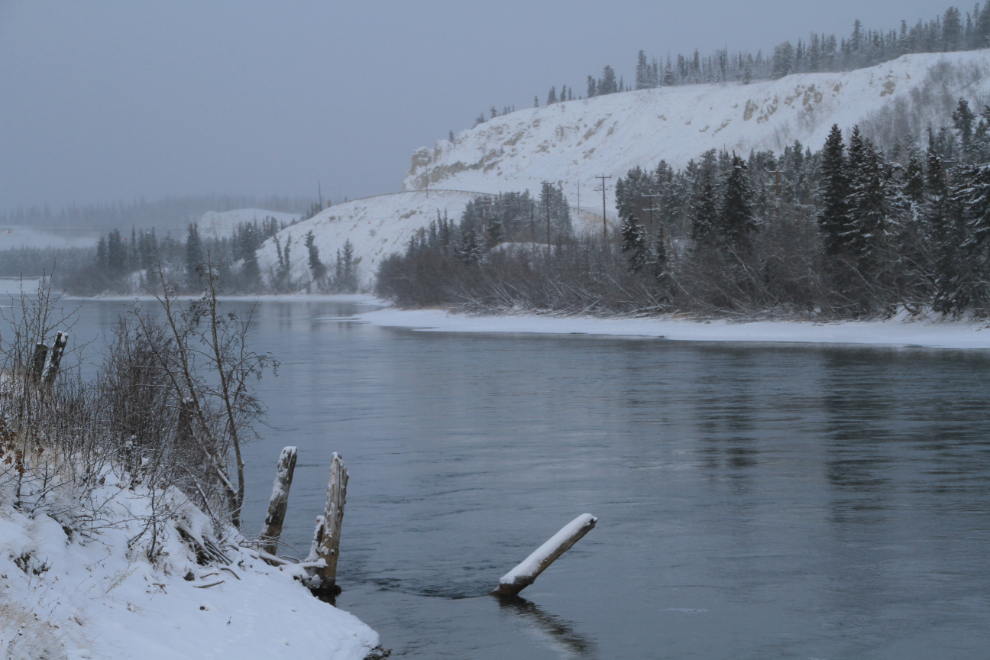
576,141
375,226
573,142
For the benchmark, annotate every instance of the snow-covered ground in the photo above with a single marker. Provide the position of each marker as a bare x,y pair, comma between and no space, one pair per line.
375,226
902,330
576,141
88,595
16,236
221,224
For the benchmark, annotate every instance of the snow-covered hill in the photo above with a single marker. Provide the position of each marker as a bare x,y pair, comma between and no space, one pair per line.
576,141
573,142
376,227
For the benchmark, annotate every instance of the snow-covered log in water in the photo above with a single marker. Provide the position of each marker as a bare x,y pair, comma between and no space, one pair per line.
526,573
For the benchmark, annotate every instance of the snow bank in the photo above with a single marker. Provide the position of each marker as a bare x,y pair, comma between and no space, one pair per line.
928,331
68,593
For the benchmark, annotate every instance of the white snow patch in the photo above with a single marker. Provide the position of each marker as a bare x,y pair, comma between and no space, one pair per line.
902,330
88,596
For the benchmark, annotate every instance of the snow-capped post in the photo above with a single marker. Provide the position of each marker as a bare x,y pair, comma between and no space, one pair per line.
279,501
38,361
54,359
526,573
333,517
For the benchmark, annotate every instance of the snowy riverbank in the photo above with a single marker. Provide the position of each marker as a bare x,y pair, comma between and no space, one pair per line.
85,588
901,330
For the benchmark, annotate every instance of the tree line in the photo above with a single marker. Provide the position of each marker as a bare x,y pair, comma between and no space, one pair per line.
952,31
848,231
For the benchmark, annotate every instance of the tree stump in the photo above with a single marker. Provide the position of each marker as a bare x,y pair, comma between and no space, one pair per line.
328,548
279,501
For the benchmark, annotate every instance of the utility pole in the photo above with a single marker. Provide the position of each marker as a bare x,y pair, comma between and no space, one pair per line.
604,221
547,188
532,222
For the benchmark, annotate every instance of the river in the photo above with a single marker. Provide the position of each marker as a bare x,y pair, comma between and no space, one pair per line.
754,501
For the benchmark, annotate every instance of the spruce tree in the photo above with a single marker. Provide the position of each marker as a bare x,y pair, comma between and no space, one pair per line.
832,219
634,244
194,256
736,220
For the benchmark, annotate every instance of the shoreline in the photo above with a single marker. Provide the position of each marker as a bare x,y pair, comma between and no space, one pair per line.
903,330
900,331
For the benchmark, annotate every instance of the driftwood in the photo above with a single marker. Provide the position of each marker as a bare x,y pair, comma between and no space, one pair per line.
526,573
279,501
327,539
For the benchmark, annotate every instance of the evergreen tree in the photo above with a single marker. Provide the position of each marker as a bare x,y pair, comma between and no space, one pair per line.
737,221
494,233
552,96
634,244
194,256
964,119
704,201
469,252
832,219
316,266
592,87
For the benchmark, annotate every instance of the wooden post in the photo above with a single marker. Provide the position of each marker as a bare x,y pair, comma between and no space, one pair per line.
38,361
333,517
55,358
526,573
279,501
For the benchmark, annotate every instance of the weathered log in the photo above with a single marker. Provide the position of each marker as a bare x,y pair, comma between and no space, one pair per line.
526,573
55,358
329,536
279,501
38,361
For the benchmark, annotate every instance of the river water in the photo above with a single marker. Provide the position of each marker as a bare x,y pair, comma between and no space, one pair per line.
754,501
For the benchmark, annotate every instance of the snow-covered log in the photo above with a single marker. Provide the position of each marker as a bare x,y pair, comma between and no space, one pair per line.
279,501
333,517
526,573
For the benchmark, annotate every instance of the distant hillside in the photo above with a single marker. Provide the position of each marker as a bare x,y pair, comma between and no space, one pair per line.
375,226
575,141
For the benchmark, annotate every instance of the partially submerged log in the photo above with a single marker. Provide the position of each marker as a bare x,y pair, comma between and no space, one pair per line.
526,573
279,501
328,533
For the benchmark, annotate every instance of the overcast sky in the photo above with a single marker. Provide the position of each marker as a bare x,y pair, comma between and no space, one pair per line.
102,101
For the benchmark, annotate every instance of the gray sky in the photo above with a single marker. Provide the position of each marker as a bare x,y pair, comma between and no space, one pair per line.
102,101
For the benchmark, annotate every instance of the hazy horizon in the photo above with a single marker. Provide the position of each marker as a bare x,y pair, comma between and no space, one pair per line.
104,101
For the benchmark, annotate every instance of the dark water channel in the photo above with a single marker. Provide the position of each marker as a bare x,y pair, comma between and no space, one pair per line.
755,501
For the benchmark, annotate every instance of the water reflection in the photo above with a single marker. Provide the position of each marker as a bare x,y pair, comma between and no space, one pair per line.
557,633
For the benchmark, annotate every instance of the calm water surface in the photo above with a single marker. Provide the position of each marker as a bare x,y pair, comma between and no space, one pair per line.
754,501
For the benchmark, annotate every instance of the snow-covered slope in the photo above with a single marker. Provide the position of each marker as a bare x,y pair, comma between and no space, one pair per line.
376,227
85,588
222,224
574,142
